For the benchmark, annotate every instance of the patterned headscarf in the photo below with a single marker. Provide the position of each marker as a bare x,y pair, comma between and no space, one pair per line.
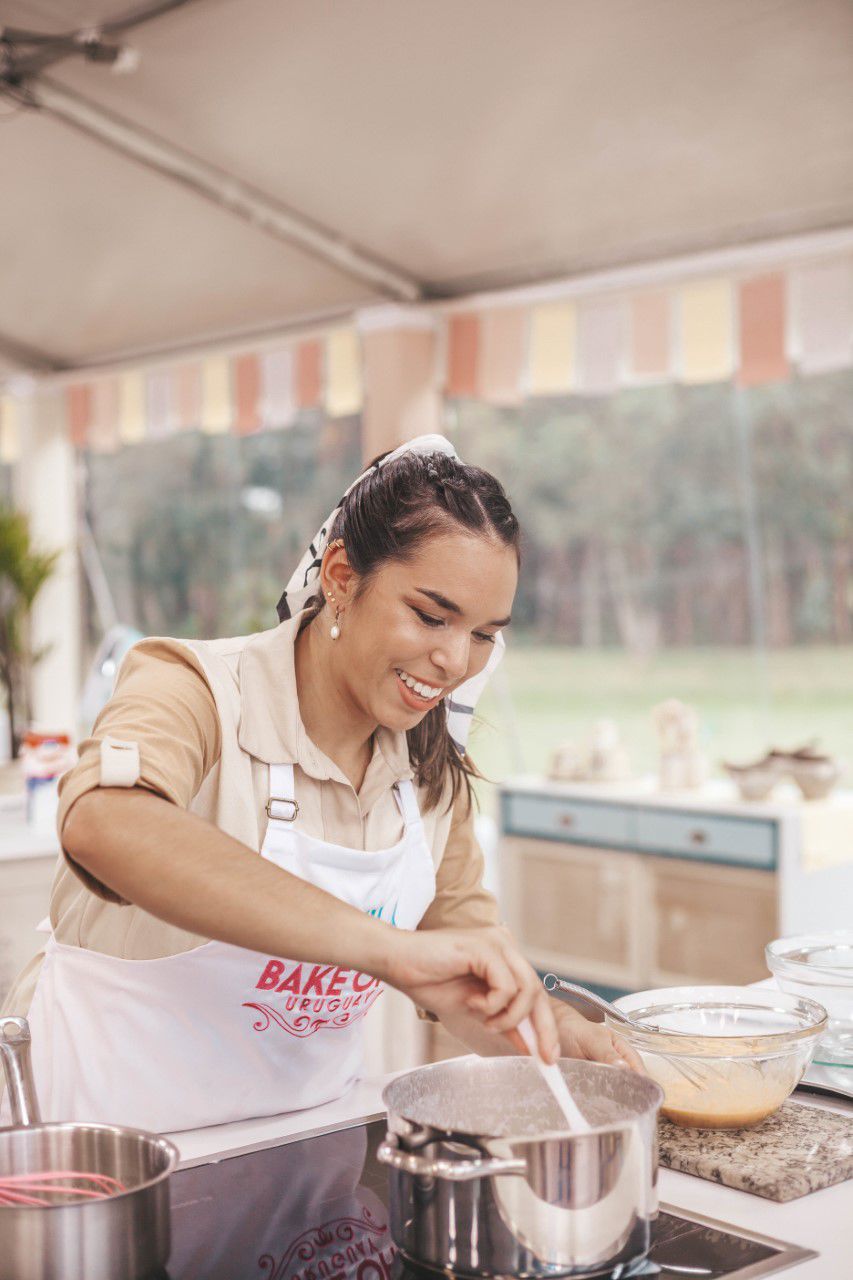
303,585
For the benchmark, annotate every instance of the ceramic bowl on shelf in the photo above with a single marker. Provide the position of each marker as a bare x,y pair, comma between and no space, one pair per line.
819,966
725,1057
814,775
753,781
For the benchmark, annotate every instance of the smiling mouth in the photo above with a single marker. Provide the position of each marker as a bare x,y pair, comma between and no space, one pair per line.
419,688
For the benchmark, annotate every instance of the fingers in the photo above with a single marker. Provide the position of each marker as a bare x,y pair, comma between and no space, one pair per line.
619,1053
530,1002
516,1039
500,991
482,972
484,969
595,1043
545,1026
513,990
629,1057
490,964
526,989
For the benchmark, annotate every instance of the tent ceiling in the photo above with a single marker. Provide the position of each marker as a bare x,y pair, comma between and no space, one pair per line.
466,145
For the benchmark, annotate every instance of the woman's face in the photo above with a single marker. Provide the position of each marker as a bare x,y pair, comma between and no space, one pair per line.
429,621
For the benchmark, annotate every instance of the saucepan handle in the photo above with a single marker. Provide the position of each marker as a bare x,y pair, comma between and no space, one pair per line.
15,1051
451,1170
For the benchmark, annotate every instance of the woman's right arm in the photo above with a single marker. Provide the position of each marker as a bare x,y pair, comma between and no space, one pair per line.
188,872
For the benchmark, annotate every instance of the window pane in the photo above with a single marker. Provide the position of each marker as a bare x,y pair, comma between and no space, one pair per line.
688,542
198,534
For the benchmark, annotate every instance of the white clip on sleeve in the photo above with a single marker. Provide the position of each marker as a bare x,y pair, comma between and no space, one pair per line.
119,763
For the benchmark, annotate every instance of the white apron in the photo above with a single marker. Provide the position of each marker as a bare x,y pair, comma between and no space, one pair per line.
220,1033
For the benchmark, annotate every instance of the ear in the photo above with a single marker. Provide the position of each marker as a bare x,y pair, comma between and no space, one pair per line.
337,576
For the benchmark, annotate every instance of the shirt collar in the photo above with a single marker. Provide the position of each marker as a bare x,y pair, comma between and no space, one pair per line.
271,727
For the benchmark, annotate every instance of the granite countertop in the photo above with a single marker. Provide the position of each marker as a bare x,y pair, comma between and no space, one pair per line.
798,1150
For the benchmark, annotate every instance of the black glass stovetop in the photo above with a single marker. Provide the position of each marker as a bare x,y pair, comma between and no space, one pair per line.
315,1209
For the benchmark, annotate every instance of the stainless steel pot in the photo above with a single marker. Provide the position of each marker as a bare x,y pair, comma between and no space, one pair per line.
122,1237
486,1181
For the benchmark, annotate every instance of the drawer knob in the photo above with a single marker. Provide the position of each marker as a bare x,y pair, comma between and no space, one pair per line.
698,836
566,820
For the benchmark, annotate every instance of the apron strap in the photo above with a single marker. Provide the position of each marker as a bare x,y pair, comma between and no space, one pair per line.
281,806
408,802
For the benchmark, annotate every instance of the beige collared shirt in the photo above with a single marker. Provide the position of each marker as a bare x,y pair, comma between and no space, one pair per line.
163,702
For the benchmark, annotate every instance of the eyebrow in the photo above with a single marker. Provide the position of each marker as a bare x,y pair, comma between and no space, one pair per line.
444,603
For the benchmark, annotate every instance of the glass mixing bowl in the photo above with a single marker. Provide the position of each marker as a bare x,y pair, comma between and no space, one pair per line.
819,966
725,1057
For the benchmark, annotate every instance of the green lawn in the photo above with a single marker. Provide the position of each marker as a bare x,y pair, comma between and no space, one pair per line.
542,696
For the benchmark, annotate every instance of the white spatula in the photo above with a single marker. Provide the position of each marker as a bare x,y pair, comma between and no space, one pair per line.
553,1077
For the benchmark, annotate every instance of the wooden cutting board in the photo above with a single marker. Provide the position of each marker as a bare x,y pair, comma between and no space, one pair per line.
797,1150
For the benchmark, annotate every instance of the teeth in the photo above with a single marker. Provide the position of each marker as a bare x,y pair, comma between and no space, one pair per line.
424,691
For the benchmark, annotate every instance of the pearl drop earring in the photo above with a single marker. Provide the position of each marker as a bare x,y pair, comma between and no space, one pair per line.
334,630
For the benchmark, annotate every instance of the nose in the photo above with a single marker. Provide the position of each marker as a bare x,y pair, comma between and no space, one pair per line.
451,655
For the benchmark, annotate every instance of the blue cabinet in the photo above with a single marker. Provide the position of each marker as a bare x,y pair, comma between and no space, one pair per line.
632,893
705,836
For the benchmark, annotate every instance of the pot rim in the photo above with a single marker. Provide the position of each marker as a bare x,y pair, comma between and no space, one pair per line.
548,1135
117,1131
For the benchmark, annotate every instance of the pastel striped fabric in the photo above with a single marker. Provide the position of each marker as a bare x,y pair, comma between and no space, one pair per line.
753,328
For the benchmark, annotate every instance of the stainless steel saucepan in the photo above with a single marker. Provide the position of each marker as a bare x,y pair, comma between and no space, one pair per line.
125,1234
486,1180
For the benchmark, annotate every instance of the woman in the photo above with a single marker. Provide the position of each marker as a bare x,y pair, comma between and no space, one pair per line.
334,745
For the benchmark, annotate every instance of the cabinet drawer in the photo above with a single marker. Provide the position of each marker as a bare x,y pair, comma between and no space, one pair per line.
554,818
711,924
749,842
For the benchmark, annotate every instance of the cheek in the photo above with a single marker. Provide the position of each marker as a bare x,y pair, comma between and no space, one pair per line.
478,657
387,640
405,637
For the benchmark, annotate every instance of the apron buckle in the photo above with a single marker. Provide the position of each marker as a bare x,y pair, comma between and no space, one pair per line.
280,817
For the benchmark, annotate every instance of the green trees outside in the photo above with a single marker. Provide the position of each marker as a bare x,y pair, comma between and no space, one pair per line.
658,518
637,510
198,534
23,572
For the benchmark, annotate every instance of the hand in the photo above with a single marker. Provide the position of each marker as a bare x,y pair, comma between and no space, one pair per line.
580,1038
480,972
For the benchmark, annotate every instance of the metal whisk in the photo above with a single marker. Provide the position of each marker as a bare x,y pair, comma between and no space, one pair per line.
691,1074
59,1186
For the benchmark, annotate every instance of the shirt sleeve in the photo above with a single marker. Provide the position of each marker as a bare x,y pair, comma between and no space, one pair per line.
460,900
163,715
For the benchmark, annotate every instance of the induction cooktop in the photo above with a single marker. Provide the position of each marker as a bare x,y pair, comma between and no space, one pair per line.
315,1209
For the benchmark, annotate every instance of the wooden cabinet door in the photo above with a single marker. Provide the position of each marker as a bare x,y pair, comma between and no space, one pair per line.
574,908
708,924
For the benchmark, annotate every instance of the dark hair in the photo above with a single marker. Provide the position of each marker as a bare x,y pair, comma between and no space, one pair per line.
387,517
